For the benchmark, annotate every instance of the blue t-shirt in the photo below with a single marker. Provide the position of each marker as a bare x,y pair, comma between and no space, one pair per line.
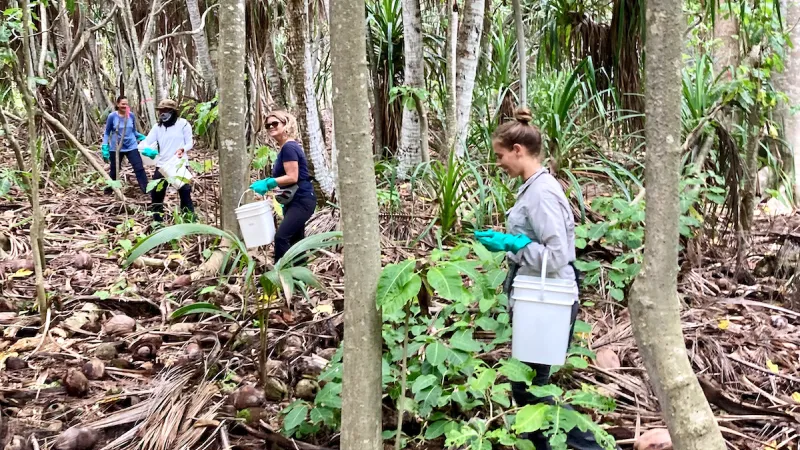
115,125
292,151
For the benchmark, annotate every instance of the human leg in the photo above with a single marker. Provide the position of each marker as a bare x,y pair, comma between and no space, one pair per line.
187,206
157,197
138,168
292,227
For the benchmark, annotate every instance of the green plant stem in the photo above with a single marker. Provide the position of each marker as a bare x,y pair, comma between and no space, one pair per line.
403,380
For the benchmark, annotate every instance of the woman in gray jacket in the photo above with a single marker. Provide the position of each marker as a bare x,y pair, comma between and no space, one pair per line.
539,224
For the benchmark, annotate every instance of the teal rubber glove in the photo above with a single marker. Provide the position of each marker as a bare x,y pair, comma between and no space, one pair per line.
502,242
261,187
106,153
140,137
150,153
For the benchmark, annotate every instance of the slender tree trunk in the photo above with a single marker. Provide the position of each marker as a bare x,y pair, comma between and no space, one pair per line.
361,386
451,48
522,54
201,46
158,74
654,305
276,85
233,157
138,61
414,74
726,28
792,75
45,30
469,39
377,109
37,227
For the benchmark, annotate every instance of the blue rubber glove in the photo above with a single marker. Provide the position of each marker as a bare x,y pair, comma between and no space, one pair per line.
502,242
261,187
106,153
140,137
150,153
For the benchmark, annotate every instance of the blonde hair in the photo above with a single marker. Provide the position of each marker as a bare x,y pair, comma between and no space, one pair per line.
289,123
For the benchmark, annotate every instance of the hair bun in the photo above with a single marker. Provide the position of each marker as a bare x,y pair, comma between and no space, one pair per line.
523,116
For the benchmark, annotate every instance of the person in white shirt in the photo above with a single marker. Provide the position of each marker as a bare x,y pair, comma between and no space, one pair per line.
173,138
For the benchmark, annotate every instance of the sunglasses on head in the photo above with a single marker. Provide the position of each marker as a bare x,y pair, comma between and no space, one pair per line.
273,124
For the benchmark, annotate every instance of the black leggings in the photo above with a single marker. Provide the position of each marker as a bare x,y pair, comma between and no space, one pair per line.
135,159
160,191
293,226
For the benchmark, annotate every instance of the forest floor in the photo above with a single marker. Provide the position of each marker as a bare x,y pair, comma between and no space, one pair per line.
743,340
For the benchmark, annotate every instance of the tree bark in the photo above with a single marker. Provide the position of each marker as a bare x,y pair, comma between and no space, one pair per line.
654,305
158,74
726,28
792,89
522,54
37,227
361,389
276,84
414,76
138,61
234,169
451,46
469,39
201,45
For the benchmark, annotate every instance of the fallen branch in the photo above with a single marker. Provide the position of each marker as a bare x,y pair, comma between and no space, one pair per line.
283,442
761,369
85,151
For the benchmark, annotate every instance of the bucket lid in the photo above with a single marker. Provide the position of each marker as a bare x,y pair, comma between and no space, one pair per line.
535,298
260,205
528,281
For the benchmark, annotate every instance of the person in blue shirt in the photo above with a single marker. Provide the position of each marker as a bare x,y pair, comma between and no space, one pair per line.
121,133
290,173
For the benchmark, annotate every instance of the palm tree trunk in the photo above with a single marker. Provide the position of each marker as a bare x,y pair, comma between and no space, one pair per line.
414,73
469,39
654,306
451,45
792,89
201,45
361,385
522,54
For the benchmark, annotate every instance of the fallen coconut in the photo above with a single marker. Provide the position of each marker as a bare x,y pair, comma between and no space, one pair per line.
193,351
146,347
83,261
327,353
607,359
247,397
277,368
77,438
306,389
76,383
275,389
655,439
94,369
182,281
14,363
119,325
17,442
106,351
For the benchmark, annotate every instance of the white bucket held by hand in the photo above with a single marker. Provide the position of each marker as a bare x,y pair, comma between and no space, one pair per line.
542,315
176,171
256,223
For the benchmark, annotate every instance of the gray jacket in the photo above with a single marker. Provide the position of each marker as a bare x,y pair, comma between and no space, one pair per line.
543,213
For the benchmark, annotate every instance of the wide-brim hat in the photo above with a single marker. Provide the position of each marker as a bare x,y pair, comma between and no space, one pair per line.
167,104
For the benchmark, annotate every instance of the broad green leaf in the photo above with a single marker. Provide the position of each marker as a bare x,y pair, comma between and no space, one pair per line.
515,370
582,327
295,417
531,418
487,323
484,380
179,231
548,390
305,275
499,394
483,254
524,444
200,308
330,396
322,415
423,382
462,340
577,362
436,353
437,429
457,357
446,280
397,285
496,277
487,303
585,266
468,268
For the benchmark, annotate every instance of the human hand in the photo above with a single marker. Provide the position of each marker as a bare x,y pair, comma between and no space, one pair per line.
261,187
150,153
180,153
140,137
106,154
502,242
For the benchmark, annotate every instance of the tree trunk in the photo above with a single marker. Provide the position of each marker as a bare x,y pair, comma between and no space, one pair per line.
361,385
276,85
158,74
414,74
375,105
654,306
469,39
451,46
144,84
37,227
299,54
522,54
792,74
201,45
726,28
233,158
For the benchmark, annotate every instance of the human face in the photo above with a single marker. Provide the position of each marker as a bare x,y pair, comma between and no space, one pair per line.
123,106
512,160
276,128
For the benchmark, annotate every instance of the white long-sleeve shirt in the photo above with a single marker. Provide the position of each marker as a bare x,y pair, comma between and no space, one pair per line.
169,140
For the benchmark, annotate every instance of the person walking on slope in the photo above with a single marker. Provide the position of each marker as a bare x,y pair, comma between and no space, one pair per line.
290,173
173,138
539,224
120,134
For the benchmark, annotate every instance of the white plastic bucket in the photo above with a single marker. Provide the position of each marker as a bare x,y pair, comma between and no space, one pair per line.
256,223
542,315
175,171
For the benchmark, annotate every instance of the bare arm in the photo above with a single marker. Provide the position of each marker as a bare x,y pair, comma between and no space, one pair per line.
292,174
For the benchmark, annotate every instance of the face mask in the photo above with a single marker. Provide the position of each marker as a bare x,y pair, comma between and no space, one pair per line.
165,116
123,110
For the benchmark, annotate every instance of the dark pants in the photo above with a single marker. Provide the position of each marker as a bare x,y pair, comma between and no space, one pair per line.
293,226
135,159
160,191
576,439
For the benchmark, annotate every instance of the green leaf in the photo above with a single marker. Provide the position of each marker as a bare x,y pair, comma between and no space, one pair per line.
500,394
126,244
305,275
487,323
397,285
200,308
516,371
322,415
487,303
102,295
436,353
587,266
548,390
423,382
462,340
177,232
330,396
524,444
531,418
295,417
484,380
446,280
582,327
577,362
207,290
495,278
437,429
617,294
483,254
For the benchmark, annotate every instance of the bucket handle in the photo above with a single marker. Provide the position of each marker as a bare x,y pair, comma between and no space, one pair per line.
544,273
242,197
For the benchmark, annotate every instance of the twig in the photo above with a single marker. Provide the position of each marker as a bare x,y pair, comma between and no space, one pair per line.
761,369
44,334
187,33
